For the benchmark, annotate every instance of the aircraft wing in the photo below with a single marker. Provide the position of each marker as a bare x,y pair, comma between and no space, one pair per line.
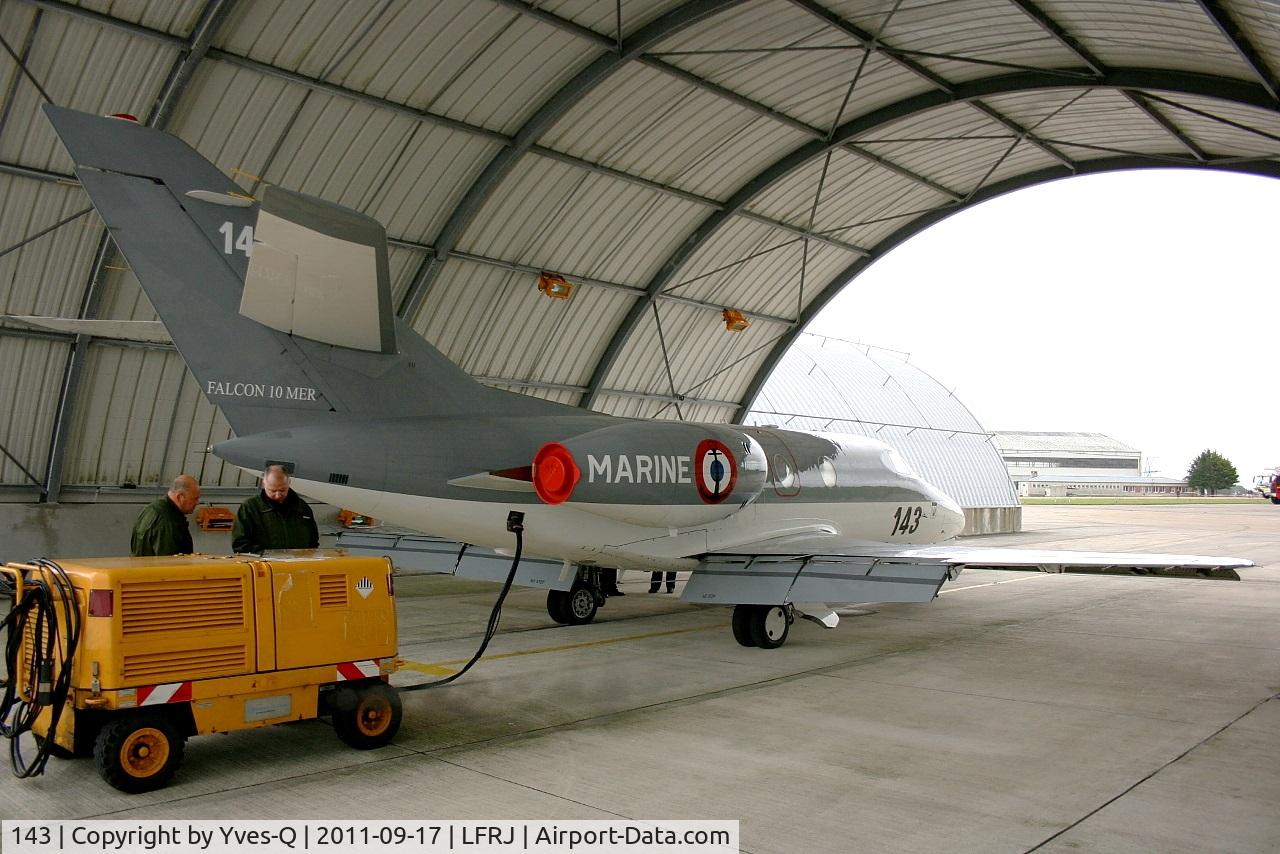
419,553
826,570
1105,563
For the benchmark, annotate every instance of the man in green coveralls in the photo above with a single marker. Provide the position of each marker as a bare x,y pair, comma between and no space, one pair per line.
275,518
162,527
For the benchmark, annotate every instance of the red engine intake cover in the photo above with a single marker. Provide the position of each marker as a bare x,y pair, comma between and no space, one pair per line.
555,473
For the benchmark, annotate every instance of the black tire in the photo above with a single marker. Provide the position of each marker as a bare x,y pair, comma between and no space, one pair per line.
558,606
575,608
1275,500
770,625
742,615
138,753
369,718
582,606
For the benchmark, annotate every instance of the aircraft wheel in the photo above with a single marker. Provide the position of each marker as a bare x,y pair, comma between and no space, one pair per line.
138,753
582,606
769,626
558,606
575,608
742,615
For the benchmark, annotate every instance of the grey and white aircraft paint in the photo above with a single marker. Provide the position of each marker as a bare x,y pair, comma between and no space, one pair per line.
281,307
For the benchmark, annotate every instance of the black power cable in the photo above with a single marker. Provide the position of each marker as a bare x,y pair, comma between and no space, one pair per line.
515,524
48,617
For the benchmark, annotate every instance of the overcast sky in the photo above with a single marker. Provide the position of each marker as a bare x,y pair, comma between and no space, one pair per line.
1143,305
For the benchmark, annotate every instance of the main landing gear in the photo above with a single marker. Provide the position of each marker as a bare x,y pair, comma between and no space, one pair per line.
765,626
579,604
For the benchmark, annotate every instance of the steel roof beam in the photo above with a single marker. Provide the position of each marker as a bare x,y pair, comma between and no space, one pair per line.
543,118
794,123
1063,37
630,290
619,392
838,282
600,40
603,41
14,81
453,124
1194,84
708,201
70,180
70,339
1235,35
1099,68
1140,101
870,42
715,204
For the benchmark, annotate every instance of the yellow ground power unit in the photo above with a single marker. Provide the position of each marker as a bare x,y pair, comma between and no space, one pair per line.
166,648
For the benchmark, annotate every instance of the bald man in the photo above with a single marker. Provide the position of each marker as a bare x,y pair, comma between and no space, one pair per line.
162,527
275,518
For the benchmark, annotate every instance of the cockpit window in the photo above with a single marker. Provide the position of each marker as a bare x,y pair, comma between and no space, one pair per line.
896,464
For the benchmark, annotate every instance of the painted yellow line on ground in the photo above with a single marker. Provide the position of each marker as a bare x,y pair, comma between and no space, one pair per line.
442,668
429,669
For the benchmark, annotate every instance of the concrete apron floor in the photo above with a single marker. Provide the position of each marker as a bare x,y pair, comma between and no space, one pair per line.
1018,712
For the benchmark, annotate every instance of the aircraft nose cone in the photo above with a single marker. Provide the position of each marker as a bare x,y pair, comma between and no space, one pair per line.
950,514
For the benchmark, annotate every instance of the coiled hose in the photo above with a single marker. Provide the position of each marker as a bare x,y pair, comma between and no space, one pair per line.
46,615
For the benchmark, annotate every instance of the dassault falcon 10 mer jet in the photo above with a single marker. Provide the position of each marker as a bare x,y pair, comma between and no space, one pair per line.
281,307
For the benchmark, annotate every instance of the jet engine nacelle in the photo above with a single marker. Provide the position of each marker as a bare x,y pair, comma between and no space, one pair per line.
665,475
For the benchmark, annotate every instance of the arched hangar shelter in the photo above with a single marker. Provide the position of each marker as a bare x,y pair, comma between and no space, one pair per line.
669,159
831,386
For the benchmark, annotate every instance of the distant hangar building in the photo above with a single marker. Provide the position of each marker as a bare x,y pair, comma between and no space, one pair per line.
836,386
1060,464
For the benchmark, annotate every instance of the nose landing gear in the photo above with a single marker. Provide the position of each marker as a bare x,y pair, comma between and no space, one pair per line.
578,605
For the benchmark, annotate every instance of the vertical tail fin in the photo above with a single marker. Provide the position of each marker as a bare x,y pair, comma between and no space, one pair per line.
281,308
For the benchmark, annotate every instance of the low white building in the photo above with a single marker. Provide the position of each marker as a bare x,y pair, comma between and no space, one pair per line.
1059,464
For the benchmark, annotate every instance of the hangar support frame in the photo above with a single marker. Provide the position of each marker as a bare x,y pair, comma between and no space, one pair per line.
1152,92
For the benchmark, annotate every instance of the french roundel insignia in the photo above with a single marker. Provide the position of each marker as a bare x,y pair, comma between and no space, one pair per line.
715,471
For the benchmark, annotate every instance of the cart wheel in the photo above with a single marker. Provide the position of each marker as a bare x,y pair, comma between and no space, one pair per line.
138,753
372,720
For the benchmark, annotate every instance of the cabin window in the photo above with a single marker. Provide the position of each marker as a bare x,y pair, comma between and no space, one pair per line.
896,464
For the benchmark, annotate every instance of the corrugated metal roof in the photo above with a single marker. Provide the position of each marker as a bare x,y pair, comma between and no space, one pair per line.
680,172
1016,440
834,386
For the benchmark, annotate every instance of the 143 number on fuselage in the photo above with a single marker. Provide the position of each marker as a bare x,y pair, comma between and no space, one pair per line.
906,520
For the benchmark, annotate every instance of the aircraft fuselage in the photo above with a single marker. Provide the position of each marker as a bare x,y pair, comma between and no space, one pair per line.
648,495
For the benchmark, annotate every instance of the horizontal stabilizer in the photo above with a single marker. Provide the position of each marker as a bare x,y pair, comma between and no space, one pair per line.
419,553
141,331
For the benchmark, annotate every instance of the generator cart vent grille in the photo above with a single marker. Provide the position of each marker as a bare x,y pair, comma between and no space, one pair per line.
333,591
199,604
184,664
